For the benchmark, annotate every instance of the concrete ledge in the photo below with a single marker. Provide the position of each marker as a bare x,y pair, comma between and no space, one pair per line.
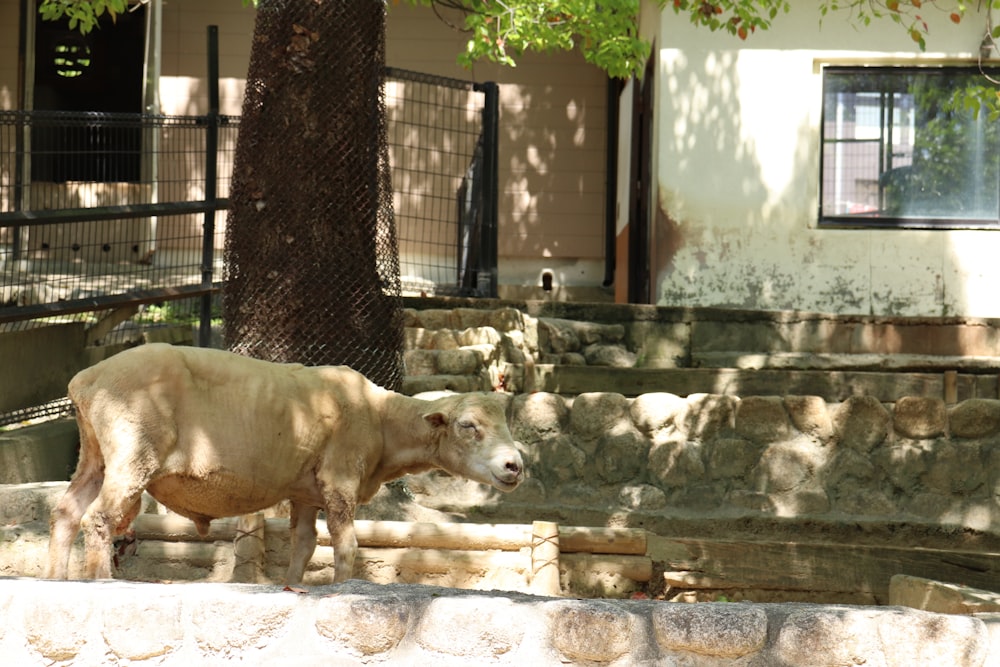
40,453
113,622
940,596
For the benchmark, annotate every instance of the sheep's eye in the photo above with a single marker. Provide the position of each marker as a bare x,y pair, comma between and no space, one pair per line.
464,423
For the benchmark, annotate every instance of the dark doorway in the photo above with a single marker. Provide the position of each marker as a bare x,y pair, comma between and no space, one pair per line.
99,73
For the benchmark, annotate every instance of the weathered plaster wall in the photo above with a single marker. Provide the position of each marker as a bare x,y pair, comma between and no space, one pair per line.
737,173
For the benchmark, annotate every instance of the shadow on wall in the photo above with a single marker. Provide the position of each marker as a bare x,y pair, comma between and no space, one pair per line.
552,152
736,224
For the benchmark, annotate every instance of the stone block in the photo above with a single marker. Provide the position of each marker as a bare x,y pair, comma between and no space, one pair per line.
642,497
603,354
861,423
538,416
559,460
940,597
619,456
722,630
418,384
955,467
487,632
436,318
595,413
762,419
974,418
676,463
787,465
420,362
809,414
478,336
659,344
708,415
465,318
730,457
919,417
592,632
506,320
366,626
459,362
654,412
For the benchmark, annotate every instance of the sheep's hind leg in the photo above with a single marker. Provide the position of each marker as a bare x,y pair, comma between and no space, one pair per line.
109,515
303,535
64,521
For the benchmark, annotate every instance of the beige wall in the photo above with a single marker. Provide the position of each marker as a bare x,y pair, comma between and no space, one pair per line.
737,174
552,125
185,48
552,150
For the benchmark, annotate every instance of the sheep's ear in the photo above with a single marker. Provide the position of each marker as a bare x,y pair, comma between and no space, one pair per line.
436,419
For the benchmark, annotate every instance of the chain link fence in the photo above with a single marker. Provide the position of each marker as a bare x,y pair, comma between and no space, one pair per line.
125,253
312,264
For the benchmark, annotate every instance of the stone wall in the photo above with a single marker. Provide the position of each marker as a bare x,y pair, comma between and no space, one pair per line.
357,623
573,349
916,460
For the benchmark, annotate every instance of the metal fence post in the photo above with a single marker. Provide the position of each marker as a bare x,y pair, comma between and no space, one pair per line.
211,178
488,239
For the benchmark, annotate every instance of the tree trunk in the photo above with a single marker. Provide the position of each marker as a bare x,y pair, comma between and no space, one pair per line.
312,267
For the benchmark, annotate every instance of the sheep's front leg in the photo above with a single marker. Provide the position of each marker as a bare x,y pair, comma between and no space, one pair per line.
303,525
340,522
345,548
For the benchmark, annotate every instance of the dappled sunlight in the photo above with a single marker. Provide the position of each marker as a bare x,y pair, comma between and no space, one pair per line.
549,168
737,200
188,95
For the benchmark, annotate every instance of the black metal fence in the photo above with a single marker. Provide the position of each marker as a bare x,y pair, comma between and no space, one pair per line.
100,210
443,152
105,216
70,244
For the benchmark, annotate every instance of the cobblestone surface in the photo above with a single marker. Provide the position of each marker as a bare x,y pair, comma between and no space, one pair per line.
124,623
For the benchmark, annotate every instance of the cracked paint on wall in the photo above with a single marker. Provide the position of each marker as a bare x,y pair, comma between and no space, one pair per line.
737,191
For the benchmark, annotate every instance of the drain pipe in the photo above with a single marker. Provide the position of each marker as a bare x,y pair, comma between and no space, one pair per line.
614,89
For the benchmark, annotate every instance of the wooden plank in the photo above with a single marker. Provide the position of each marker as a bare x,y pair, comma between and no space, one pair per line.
434,561
636,568
418,535
174,528
627,541
720,564
951,387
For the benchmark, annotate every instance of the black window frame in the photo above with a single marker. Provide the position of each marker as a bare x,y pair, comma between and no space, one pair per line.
880,219
88,117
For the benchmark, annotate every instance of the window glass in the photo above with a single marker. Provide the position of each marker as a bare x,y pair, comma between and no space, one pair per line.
899,150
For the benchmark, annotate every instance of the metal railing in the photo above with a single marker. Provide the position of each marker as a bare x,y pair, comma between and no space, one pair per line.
99,210
102,214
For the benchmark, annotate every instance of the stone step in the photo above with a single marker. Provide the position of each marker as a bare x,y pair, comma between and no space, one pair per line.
831,385
917,363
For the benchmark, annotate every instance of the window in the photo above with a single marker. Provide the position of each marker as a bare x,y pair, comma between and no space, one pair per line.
897,152
97,73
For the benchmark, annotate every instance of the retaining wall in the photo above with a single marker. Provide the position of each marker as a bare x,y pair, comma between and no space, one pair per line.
917,459
357,623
